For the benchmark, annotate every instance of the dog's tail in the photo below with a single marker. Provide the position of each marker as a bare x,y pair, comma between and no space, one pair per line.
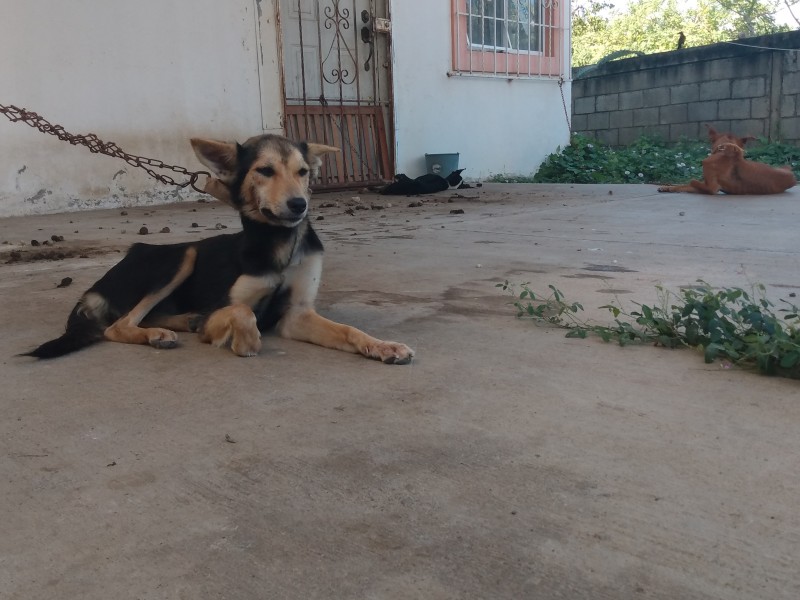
83,329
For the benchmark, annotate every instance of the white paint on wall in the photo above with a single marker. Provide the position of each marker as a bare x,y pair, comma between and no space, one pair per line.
151,74
497,125
147,75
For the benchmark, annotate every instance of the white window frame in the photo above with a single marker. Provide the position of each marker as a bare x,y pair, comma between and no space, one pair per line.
503,22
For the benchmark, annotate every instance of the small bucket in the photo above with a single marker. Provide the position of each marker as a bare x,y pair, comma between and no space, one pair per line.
441,164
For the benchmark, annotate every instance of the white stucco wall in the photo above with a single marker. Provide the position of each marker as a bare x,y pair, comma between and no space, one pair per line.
497,125
150,74
147,75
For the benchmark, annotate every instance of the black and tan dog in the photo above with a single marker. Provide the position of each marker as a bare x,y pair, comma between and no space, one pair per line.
229,288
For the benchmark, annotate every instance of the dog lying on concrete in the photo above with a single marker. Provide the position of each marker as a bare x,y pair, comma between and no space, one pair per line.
728,171
228,288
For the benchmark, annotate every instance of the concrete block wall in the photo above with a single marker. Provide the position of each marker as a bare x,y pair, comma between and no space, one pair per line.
751,87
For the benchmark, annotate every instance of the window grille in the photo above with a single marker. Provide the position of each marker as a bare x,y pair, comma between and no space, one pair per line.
510,38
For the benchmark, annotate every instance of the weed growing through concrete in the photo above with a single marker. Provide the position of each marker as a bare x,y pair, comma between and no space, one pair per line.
648,160
728,323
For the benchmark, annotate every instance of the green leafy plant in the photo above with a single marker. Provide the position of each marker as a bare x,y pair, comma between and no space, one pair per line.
647,160
727,323
774,154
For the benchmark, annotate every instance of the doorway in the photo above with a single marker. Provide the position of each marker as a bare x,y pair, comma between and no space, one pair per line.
337,86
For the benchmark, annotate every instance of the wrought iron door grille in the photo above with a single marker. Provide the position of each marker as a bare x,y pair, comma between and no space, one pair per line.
337,91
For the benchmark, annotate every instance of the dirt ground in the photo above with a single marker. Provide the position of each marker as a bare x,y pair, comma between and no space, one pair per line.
505,462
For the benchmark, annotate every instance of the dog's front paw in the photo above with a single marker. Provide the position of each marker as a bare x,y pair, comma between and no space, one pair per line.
233,326
246,342
666,188
163,339
391,353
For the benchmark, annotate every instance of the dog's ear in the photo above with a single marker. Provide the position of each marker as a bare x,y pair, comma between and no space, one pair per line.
745,139
713,134
220,157
219,190
313,153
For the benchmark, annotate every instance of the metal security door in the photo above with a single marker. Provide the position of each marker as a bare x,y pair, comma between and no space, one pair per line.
337,85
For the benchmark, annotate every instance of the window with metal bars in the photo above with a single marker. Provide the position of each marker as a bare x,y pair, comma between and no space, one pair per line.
509,38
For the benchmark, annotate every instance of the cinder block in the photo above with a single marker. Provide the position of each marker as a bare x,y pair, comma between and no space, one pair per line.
621,118
685,93
748,88
674,113
643,117
789,62
608,137
629,100
598,121
721,125
703,111
715,90
640,80
605,85
628,135
579,122
788,105
734,109
759,108
583,106
689,131
657,131
740,67
789,129
607,102
656,96
694,72
749,127
790,84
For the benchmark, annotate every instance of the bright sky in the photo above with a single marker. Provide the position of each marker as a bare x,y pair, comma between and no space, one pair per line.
782,17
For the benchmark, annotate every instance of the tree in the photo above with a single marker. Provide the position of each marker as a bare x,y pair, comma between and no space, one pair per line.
658,26
751,17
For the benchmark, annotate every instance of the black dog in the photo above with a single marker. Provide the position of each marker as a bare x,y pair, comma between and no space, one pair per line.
424,184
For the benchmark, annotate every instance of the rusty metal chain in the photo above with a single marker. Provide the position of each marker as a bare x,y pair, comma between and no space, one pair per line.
564,103
98,146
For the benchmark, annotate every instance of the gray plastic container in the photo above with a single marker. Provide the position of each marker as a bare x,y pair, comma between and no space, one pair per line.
441,164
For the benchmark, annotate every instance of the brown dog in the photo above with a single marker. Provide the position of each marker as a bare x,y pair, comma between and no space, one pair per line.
726,170
716,138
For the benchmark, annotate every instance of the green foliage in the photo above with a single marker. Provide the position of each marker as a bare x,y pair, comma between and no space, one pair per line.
648,160
729,323
655,25
751,17
774,154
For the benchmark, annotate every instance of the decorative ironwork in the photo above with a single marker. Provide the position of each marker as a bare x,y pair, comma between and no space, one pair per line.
337,18
340,99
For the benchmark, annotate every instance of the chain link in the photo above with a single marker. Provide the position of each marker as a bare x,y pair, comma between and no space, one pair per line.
98,146
564,102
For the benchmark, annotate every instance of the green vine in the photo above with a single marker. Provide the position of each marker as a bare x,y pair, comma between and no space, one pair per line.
728,323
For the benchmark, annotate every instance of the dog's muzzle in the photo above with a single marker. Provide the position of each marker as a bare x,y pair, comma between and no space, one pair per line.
294,211
297,205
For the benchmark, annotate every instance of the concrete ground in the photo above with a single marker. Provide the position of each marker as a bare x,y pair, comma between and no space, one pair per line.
505,462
